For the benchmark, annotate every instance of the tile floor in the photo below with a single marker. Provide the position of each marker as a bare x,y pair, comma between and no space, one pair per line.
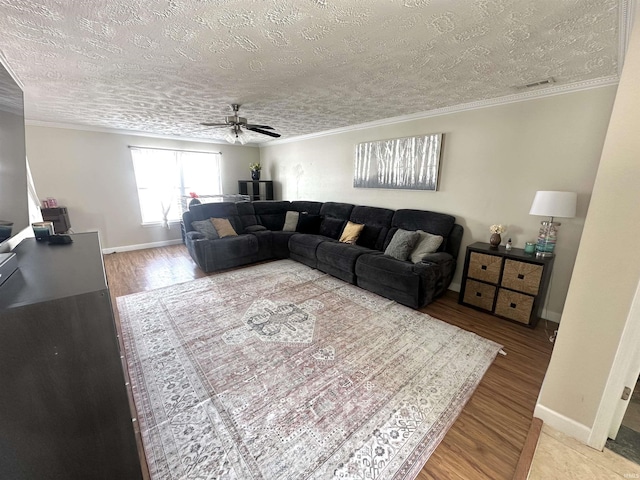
627,442
559,456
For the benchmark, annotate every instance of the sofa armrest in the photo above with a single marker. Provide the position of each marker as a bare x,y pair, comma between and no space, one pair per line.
193,235
447,266
437,257
255,228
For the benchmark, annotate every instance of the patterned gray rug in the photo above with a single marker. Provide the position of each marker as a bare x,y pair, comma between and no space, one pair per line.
278,371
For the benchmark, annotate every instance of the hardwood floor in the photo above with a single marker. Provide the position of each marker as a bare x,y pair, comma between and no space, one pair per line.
486,440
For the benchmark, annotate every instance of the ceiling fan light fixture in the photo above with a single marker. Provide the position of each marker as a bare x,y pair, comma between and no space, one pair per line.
238,124
230,137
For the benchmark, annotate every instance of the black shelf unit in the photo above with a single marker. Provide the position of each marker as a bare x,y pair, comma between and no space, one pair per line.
256,189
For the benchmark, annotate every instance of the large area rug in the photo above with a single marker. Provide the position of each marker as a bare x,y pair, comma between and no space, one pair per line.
278,371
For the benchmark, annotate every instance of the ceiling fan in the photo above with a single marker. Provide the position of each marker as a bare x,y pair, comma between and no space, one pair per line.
237,123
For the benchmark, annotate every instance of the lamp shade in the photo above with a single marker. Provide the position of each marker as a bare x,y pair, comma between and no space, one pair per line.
554,204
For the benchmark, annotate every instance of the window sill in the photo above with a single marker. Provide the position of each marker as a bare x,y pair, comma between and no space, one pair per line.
159,224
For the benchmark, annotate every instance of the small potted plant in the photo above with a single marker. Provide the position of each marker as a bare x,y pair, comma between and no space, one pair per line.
194,199
255,170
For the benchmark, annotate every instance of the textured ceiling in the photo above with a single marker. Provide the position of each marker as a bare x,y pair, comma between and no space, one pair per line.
301,66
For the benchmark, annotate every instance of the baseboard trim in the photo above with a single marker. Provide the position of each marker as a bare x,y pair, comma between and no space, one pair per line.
141,246
564,424
528,450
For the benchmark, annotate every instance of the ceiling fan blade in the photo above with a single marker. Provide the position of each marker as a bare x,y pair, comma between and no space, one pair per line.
266,127
264,132
209,124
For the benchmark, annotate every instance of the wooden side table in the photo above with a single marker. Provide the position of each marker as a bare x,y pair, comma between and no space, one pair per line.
510,284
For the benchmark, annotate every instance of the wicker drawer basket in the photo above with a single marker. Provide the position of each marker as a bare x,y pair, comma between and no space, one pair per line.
479,294
485,267
514,305
522,276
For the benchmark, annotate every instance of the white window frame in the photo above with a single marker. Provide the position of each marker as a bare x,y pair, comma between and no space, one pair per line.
160,190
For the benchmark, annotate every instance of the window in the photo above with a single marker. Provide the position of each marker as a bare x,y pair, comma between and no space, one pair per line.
164,177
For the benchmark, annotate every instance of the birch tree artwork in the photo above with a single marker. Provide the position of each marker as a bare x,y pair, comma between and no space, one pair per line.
405,163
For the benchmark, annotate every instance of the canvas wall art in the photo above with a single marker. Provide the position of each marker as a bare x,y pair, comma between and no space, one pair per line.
404,163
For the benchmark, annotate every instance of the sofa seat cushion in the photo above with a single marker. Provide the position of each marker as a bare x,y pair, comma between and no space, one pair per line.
265,244
339,259
280,243
302,248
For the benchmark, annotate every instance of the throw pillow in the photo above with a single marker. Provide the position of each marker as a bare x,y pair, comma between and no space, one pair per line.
308,223
223,227
290,221
427,243
402,244
206,228
331,227
351,232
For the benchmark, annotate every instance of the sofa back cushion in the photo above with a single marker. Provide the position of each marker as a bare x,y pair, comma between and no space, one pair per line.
271,213
312,208
336,210
227,210
334,217
377,222
431,222
332,227
247,214
308,223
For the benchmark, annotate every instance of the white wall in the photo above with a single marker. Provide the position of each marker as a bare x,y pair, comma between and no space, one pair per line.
494,160
605,279
91,173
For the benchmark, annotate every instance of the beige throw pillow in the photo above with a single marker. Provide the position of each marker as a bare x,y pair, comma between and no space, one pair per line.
223,227
428,243
351,232
291,221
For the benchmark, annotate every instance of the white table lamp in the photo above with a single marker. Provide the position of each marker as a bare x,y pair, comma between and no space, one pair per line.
551,204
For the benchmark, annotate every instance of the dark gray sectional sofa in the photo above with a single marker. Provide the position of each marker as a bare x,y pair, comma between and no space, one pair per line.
260,237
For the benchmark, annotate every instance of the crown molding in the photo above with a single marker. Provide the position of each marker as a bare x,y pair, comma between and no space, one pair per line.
491,102
627,13
136,133
5,64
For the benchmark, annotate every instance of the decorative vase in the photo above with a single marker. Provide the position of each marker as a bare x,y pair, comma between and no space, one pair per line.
495,240
194,201
255,174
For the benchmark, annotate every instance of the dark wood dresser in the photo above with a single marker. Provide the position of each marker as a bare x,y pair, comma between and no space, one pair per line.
64,412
